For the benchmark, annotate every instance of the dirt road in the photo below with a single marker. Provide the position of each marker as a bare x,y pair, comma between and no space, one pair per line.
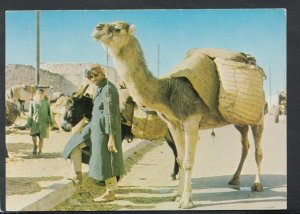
147,184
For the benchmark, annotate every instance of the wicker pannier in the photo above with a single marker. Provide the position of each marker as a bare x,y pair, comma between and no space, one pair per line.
241,98
126,106
147,125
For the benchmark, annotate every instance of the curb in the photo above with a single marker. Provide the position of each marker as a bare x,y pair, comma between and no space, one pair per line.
63,189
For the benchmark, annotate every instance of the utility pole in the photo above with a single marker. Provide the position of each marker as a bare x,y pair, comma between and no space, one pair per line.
37,47
285,81
270,90
158,61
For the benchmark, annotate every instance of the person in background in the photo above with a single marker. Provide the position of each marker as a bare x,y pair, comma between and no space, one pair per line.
39,120
104,133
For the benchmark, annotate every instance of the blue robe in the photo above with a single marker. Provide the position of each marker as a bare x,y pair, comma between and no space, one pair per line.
106,119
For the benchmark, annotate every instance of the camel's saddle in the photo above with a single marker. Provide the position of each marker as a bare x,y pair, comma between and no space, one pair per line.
229,83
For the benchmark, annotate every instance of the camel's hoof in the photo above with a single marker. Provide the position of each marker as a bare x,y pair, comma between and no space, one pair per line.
257,187
176,198
186,201
186,204
234,181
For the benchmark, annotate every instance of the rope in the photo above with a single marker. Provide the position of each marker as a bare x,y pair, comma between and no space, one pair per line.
213,135
107,100
107,93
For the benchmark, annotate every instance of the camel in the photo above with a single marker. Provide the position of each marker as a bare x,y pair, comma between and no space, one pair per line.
177,102
11,114
20,94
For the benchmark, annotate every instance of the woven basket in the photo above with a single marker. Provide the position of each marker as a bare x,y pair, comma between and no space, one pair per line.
241,98
148,126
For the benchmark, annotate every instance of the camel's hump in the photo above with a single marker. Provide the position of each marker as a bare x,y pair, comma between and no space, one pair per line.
224,54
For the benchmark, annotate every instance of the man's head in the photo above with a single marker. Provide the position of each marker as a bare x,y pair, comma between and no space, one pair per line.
40,91
95,74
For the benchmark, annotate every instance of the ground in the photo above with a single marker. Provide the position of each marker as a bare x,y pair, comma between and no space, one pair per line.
147,184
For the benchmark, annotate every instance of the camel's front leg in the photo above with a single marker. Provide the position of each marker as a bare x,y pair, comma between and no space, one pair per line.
191,128
178,136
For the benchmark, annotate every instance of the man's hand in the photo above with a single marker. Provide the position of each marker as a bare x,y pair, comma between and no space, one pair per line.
111,146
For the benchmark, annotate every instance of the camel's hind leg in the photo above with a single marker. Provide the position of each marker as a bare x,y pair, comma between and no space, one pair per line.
257,135
170,141
245,143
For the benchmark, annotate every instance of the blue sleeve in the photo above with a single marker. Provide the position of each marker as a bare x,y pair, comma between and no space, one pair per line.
112,111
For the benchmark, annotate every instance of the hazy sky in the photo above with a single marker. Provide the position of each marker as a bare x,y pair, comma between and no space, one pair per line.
66,36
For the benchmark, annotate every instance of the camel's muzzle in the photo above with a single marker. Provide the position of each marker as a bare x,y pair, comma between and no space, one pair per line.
67,127
102,31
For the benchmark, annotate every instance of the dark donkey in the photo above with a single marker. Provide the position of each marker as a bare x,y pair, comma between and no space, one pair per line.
79,106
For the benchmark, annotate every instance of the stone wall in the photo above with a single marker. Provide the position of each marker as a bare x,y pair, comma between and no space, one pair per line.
64,77
26,74
74,72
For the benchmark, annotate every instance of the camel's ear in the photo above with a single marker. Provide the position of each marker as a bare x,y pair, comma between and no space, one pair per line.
131,29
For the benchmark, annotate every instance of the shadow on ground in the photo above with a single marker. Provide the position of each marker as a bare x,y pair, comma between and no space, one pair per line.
46,155
213,190
23,132
152,196
17,147
24,150
26,185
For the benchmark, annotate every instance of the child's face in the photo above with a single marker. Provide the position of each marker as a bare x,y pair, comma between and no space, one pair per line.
40,95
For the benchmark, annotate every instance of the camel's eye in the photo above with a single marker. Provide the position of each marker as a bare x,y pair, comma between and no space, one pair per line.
116,28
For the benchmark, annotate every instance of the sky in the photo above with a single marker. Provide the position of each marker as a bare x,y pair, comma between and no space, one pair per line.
65,37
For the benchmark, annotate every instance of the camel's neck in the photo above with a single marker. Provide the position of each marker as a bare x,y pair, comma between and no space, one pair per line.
132,68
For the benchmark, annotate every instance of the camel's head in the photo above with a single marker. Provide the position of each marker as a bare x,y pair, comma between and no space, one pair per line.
113,35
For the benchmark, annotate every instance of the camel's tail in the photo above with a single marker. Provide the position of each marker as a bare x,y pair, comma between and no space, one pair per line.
213,134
